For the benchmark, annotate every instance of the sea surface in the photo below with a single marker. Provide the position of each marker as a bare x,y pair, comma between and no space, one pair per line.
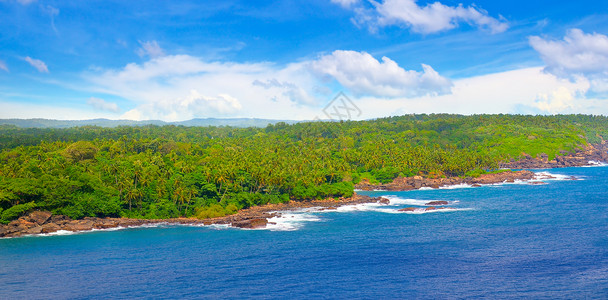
502,241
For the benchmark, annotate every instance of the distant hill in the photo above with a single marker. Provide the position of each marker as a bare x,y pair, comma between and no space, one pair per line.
47,123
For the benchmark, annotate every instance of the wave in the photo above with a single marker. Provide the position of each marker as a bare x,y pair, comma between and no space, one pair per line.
593,163
547,176
420,211
290,221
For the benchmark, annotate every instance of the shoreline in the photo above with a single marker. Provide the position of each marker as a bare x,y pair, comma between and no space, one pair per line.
42,222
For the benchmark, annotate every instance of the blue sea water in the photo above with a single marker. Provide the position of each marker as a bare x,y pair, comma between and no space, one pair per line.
502,241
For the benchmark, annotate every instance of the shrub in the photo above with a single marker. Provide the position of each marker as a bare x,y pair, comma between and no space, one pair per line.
16,212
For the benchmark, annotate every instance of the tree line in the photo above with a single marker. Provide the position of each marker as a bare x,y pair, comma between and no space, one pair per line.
173,171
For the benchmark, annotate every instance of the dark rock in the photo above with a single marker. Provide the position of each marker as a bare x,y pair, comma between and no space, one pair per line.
476,185
384,201
49,227
537,183
34,230
38,217
408,209
430,208
79,225
251,223
441,202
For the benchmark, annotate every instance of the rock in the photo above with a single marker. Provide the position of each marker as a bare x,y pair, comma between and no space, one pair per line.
384,201
38,217
330,208
435,186
430,208
408,209
476,185
251,223
537,183
441,202
49,227
34,230
79,225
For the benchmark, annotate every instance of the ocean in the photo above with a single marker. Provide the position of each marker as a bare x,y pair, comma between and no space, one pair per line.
501,241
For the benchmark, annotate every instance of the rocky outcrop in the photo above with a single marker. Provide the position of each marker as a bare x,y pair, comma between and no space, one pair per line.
440,202
40,222
251,223
417,182
384,201
581,157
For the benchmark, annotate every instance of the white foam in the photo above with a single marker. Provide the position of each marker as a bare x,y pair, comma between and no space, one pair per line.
456,186
593,163
59,232
547,176
290,221
420,211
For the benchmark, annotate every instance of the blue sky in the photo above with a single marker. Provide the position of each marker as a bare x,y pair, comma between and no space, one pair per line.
177,60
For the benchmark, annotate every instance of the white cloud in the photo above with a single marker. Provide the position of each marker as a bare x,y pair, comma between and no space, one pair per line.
101,104
557,101
3,66
179,87
522,91
150,49
362,74
432,18
191,106
577,53
38,64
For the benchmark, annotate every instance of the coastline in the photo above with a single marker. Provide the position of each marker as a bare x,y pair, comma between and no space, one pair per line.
42,222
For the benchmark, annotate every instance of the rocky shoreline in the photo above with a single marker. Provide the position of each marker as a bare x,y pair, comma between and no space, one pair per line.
417,182
42,222
581,157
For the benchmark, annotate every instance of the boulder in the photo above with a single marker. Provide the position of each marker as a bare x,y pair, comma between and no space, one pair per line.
441,202
430,208
408,209
384,201
49,227
251,223
476,185
38,217
34,230
79,225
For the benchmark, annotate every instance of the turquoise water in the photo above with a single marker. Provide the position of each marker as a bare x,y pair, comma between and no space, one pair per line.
504,241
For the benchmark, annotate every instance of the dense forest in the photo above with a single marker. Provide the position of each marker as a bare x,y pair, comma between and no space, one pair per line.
173,171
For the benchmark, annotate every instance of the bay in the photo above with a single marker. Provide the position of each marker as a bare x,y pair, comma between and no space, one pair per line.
501,241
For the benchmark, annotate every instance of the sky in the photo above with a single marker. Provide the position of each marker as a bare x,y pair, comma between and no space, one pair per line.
300,60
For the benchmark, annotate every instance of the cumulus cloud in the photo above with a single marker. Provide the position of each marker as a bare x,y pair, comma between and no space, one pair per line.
38,64
521,91
557,101
432,18
3,66
101,104
179,87
191,106
150,49
362,74
576,53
